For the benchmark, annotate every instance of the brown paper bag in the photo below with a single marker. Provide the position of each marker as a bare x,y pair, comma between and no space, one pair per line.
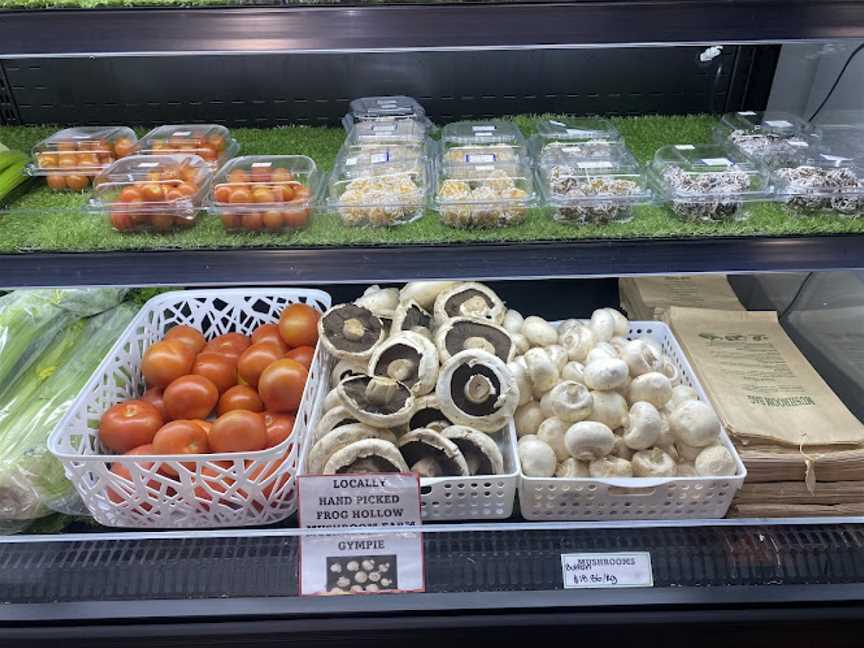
651,296
762,387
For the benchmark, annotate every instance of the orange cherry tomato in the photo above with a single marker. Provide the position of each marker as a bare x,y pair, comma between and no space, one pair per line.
207,153
296,218
231,222
77,182
121,220
189,173
166,361
128,425
269,333
154,397
279,427
161,222
186,189
256,359
263,195
218,368
298,325
152,192
191,397
238,431
56,182
253,221
281,385
180,438
188,335
123,147
272,220
238,176
240,397
260,174
130,194
282,175
303,355
222,193
240,195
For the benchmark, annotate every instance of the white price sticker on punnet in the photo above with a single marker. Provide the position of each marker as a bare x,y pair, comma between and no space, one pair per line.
602,570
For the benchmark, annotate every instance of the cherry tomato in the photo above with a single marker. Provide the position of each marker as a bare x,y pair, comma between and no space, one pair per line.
273,221
281,385
238,176
188,335
130,194
282,175
123,147
240,397
269,333
179,438
222,193
124,472
256,359
240,195
263,195
120,220
154,397
56,182
231,221
238,431
191,397
128,425
303,355
77,182
165,361
161,222
152,192
296,218
186,189
260,174
298,325
219,368
253,221
279,427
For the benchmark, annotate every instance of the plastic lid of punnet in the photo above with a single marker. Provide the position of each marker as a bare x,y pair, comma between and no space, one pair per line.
211,142
778,123
565,129
568,178
386,106
362,161
481,133
845,141
262,181
84,150
390,131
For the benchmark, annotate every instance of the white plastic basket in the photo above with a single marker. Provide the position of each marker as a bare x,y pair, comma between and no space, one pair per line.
480,497
632,498
212,490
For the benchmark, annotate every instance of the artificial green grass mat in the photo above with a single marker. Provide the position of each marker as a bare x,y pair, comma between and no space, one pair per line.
46,221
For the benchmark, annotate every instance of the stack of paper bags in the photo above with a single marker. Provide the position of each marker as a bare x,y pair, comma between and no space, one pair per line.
793,433
647,298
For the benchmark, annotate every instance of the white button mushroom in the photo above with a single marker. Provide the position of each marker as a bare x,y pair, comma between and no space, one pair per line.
609,408
643,425
528,418
715,461
332,400
541,369
652,387
602,325
671,371
589,440
606,374
527,438
539,332
537,458
601,351
513,321
569,401
687,452
621,448
558,354
570,468
574,371
665,439
610,466
640,358
522,380
686,469
552,431
653,463
695,423
578,341
681,394
520,343
619,343
621,323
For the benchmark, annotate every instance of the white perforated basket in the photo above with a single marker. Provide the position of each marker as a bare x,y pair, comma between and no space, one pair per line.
212,490
452,498
636,498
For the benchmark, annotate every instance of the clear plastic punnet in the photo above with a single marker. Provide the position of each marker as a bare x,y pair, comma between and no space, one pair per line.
823,183
270,193
579,136
482,142
484,195
708,182
773,138
379,186
393,131
157,193
385,109
211,142
69,159
590,190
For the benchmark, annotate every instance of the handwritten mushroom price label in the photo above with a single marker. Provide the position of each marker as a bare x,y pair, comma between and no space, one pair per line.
596,570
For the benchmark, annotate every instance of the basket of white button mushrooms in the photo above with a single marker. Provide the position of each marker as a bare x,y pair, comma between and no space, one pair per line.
419,382
613,424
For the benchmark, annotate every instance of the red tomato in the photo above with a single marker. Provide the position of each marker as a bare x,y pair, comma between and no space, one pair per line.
128,425
165,362
219,368
180,438
265,473
204,425
215,480
238,431
298,325
154,397
256,359
303,355
281,385
269,333
189,336
229,343
191,397
124,472
279,427
240,397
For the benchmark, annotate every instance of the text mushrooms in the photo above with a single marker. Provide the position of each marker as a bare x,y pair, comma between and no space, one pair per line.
537,458
377,401
469,299
349,331
569,401
476,389
366,456
409,358
431,454
480,451
462,333
337,439
410,316
589,440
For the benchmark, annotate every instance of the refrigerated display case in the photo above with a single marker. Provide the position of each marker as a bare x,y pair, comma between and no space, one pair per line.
604,141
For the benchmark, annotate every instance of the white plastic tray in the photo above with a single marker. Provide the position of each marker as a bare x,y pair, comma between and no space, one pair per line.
213,490
451,498
636,498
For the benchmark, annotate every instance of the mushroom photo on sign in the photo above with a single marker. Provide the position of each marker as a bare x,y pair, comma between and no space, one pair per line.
361,574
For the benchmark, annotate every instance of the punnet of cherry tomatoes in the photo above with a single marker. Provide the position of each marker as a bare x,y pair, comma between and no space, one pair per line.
233,393
211,142
70,159
271,193
157,193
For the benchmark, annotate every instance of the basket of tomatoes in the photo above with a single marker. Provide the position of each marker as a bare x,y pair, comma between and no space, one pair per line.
195,417
211,142
157,193
272,193
70,159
